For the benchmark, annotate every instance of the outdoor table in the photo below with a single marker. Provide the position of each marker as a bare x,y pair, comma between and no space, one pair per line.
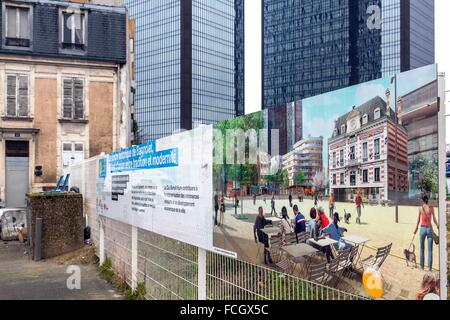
358,241
270,232
324,242
300,250
274,219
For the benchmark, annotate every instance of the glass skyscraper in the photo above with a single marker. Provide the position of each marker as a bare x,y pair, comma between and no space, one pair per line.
315,46
189,63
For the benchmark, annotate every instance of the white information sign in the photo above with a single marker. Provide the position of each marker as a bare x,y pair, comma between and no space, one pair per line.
163,186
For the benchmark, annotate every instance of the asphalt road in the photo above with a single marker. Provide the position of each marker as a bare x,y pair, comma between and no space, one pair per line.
24,279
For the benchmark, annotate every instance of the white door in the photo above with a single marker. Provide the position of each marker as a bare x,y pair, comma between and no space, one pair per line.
73,153
16,181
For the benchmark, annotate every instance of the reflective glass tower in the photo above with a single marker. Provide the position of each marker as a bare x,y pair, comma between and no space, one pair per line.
189,63
315,46
407,35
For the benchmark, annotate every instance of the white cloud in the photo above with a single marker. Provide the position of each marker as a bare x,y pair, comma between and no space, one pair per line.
326,99
365,92
317,127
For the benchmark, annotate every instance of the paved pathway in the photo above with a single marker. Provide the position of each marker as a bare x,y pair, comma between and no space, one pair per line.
23,279
378,225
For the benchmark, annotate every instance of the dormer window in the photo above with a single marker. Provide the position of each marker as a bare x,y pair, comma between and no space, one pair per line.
365,119
343,129
377,114
335,132
73,30
17,26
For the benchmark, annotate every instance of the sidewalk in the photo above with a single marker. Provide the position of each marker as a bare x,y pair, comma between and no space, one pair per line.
23,279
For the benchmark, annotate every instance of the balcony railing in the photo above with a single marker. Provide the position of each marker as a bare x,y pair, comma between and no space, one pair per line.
352,162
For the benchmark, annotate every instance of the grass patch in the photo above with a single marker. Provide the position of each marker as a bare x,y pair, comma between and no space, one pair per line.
106,273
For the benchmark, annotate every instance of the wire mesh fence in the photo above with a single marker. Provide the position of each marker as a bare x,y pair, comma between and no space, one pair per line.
169,268
231,279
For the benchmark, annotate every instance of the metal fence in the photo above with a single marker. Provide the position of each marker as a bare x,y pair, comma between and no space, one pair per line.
170,269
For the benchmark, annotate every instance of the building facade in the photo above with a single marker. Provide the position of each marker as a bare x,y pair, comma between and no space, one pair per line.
418,113
189,63
307,159
284,124
64,90
366,153
407,35
312,47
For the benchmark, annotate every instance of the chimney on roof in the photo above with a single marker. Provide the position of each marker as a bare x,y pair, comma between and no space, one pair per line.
388,102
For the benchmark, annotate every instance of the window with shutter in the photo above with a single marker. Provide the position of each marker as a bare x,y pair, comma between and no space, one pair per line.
23,96
11,96
73,99
17,95
68,98
78,99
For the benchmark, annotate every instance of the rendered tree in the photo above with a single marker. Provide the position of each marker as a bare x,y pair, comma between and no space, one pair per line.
319,181
299,178
427,169
245,173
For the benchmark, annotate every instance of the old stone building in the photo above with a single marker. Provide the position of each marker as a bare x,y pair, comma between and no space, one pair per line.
368,152
64,89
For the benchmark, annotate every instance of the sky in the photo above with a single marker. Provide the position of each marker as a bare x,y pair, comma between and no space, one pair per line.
253,55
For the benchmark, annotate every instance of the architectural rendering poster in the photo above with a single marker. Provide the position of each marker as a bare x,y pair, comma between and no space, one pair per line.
364,159
162,186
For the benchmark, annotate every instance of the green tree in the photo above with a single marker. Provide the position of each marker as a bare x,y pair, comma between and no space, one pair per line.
300,178
428,183
284,179
245,173
425,171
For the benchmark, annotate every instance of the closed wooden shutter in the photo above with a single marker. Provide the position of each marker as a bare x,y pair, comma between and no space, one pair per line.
79,99
23,96
11,95
67,98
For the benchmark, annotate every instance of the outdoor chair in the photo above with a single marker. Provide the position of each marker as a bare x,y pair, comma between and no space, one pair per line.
302,237
290,238
378,259
275,248
351,264
317,273
284,265
338,266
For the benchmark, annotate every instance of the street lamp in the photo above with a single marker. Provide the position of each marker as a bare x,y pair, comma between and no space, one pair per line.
394,79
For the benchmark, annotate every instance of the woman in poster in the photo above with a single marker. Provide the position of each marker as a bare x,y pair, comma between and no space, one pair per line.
426,213
429,289
285,226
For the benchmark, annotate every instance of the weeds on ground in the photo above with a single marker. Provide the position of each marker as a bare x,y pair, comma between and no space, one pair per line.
108,274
